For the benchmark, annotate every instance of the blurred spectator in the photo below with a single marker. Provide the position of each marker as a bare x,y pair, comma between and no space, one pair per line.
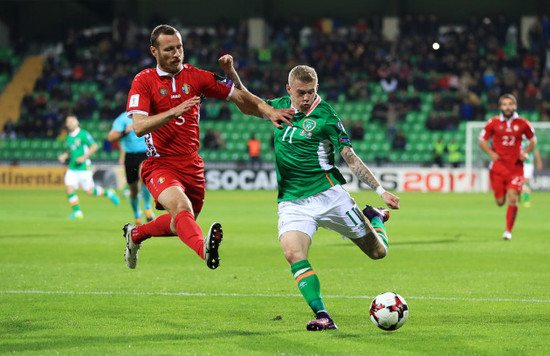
8,131
435,121
105,111
224,113
453,148
211,110
254,151
389,84
438,150
399,141
213,140
412,101
391,123
544,111
437,102
357,131
379,111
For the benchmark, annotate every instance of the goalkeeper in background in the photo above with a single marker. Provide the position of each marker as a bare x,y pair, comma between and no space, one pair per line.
132,154
310,185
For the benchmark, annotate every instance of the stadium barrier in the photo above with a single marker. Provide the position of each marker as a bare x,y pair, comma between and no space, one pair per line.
53,177
235,177
396,179
32,177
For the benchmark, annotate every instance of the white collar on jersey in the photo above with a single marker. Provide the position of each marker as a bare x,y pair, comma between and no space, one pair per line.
316,102
502,118
166,74
75,132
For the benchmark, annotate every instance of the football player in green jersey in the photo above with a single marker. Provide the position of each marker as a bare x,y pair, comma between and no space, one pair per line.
310,185
533,161
81,146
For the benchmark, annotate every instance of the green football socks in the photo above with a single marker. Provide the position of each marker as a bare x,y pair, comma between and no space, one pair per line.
309,285
73,200
380,229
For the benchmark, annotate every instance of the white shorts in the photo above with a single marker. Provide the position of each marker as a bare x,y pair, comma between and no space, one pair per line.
83,178
334,209
528,170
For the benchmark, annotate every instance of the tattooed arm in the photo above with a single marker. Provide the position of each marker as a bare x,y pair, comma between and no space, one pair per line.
226,62
365,175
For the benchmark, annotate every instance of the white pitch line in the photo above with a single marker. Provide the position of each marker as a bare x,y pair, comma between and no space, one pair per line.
186,294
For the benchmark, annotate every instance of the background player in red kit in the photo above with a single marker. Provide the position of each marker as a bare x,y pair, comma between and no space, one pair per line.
164,105
506,168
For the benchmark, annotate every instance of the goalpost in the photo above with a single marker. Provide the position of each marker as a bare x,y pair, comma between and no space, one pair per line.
477,162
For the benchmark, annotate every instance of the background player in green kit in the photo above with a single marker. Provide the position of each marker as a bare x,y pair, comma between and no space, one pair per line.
310,191
534,161
81,146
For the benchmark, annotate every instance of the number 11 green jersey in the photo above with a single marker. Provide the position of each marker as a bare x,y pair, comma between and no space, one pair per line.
304,153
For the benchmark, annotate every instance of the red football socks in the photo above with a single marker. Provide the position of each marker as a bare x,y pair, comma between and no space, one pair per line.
511,214
158,227
190,232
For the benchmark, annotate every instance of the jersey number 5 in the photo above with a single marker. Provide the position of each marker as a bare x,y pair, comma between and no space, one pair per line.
180,122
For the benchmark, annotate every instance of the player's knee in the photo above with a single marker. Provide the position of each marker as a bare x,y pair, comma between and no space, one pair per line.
293,256
182,206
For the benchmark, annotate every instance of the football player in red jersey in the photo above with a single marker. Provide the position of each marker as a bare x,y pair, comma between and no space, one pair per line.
164,105
507,156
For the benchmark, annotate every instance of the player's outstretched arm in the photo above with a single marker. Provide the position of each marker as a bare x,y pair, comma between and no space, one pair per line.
365,175
250,104
226,63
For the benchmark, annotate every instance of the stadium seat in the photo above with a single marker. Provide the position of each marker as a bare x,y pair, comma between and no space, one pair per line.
205,154
50,155
8,144
114,155
268,155
24,144
224,156
214,155
5,154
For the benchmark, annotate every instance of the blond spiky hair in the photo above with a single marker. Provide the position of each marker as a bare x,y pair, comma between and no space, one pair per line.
302,73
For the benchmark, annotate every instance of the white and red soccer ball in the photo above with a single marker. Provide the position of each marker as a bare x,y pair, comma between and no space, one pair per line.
389,311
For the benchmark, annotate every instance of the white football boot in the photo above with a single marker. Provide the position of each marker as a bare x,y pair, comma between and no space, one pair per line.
130,254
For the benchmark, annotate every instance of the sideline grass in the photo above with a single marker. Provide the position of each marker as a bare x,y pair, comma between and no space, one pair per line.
65,289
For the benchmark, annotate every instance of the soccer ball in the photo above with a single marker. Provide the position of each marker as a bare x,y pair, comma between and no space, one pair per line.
389,311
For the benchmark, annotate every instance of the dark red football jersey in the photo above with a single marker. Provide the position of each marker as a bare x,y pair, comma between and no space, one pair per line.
507,136
155,91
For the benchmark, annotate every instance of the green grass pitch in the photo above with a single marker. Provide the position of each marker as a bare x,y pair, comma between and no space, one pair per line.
65,289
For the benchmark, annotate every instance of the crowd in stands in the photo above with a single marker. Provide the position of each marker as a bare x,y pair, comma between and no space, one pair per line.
474,64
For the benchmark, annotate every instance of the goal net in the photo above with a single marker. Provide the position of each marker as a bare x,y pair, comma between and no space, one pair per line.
477,161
